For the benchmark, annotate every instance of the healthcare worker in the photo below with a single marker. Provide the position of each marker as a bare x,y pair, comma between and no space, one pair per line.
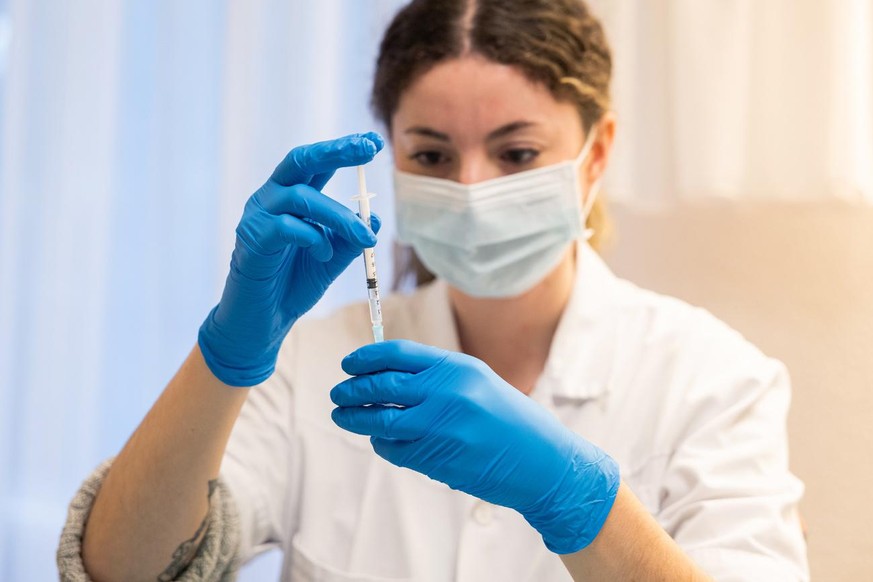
531,417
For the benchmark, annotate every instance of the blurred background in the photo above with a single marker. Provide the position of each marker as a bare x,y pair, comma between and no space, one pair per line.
131,134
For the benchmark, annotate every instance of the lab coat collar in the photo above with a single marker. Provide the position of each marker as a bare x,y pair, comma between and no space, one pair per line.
580,361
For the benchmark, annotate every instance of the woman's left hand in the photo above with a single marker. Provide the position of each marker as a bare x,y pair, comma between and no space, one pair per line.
458,422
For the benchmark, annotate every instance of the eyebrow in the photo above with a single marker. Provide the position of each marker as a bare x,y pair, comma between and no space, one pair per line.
499,132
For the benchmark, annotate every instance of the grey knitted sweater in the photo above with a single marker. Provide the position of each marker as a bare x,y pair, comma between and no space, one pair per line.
216,558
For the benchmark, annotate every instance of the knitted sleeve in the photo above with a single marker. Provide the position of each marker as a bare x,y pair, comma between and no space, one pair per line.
215,560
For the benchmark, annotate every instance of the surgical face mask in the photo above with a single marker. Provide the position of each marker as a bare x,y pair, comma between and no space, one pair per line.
499,237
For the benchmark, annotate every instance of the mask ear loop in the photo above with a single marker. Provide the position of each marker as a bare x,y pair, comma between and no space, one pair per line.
595,187
589,204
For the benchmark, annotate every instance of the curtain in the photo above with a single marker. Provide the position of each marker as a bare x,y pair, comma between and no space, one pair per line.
744,100
131,134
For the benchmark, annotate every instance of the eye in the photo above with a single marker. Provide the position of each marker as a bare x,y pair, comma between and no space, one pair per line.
429,158
519,156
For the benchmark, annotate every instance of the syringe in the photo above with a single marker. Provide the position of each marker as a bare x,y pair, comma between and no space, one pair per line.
363,199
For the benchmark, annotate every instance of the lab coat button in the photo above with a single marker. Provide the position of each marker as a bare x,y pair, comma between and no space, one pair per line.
483,513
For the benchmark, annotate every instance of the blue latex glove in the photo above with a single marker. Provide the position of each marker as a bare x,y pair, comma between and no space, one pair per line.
460,423
291,244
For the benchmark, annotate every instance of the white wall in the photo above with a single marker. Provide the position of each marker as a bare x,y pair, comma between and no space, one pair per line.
797,280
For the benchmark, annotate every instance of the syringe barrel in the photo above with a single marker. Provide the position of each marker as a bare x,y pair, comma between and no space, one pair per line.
363,199
375,306
364,209
370,264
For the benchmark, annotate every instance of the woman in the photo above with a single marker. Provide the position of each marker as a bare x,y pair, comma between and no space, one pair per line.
526,376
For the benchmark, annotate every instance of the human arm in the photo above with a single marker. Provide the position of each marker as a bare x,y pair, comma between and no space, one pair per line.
148,518
292,242
461,424
631,546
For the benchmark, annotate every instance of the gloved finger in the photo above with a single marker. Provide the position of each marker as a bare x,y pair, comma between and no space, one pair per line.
399,355
394,451
322,251
319,181
381,421
345,252
309,203
268,233
375,223
314,164
344,249
382,388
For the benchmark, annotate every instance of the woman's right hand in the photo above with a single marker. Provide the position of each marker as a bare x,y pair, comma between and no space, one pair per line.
291,244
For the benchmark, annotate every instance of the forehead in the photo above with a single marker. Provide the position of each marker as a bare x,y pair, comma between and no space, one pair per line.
472,95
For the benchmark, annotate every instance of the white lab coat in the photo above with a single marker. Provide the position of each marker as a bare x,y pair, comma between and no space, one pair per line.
694,415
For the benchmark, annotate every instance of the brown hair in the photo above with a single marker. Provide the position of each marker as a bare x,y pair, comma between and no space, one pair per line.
558,43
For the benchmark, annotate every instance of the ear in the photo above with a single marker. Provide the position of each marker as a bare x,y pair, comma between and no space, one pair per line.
601,149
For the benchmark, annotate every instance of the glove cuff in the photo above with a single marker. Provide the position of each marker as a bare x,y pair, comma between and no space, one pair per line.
244,374
578,507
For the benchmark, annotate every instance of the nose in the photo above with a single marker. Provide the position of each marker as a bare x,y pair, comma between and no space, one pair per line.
473,169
